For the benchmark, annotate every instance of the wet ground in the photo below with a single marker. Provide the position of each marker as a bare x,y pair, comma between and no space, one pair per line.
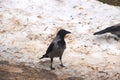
22,72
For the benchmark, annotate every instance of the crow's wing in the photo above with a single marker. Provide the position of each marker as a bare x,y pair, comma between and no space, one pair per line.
115,27
111,29
50,48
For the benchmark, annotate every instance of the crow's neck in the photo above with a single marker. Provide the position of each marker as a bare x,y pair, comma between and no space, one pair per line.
62,41
62,37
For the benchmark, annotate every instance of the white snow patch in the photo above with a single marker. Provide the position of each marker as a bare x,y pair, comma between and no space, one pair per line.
28,26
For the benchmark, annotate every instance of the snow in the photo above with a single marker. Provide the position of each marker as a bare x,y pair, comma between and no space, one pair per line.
28,26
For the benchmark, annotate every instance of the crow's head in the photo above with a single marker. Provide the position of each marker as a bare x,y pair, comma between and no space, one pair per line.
63,32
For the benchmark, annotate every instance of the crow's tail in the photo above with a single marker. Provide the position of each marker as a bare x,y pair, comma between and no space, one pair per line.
44,56
41,57
102,31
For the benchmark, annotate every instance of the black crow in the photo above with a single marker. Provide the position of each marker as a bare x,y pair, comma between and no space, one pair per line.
115,29
57,47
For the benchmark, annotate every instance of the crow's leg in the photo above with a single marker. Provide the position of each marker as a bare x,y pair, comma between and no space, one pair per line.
52,68
61,62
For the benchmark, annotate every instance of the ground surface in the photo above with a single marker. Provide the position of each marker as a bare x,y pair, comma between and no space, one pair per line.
28,26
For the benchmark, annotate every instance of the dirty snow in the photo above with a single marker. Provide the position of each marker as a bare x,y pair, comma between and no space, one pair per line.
28,26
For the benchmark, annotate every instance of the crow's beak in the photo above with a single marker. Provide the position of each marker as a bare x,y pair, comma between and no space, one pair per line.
67,32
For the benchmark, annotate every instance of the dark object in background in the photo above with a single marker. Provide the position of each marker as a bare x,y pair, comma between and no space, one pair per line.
115,29
111,2
57,47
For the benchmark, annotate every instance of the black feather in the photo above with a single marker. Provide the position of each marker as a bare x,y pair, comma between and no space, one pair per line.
112,29
57,47
61,43
50,48
103,31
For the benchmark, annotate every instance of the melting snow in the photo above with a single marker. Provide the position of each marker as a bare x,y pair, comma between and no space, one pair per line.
28,26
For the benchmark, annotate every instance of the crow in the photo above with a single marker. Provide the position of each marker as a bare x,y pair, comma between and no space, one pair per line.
115,29
57,47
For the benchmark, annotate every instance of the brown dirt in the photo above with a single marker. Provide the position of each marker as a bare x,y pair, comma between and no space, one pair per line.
22,72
